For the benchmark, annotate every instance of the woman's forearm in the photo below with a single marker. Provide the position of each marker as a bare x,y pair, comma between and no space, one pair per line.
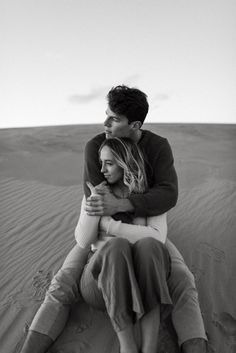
86,231
156,228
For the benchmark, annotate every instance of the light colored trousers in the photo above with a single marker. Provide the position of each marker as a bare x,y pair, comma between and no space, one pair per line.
64,291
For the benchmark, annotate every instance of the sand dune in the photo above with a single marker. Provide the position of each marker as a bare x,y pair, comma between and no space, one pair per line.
36,234
39,212
206,238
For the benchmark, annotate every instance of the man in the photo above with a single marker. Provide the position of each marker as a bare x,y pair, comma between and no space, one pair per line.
126,112
161,173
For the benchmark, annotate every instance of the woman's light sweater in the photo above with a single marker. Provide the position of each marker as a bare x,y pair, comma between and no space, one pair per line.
95,230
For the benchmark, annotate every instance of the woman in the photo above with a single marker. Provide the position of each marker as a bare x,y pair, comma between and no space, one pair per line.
119,276
123,166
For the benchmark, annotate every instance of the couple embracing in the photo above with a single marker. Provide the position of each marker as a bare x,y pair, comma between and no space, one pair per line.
122,261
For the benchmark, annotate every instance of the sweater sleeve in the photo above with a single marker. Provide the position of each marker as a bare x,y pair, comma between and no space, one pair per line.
92,168
163,193
156,227
86,231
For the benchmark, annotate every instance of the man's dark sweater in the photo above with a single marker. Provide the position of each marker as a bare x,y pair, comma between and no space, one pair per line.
162,178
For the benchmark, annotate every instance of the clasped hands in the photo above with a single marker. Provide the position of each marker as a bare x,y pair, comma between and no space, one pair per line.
101,202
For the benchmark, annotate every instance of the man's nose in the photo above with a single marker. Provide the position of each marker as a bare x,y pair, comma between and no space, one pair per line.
107,122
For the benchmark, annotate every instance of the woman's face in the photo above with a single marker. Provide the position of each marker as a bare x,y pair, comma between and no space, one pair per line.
112,172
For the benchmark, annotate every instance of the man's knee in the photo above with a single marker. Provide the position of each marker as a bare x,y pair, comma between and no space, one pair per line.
181,273
181,282
64,287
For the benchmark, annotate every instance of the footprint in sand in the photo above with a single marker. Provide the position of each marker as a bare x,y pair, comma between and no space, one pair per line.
35,292
226,323
197,272
213,252
41,282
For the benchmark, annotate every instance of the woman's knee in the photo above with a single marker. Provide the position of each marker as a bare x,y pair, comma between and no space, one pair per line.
115,247
148,247
151,254
116,253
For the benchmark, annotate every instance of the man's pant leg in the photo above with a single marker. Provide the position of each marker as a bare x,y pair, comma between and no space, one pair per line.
186,315
62,293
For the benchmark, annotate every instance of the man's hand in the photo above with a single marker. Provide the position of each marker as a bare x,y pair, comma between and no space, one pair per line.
105,204
102,201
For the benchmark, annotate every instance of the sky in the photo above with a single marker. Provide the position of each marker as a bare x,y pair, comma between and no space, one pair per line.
59,58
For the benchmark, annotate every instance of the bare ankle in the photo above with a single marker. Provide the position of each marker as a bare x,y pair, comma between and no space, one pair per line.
36,342
194,345
127,340
150,329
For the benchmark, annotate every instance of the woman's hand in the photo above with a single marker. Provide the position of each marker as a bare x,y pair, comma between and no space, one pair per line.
101,201
99,189
94,197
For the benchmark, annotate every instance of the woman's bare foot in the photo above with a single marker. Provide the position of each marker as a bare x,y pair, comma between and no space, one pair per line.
150,324
138,335
127,340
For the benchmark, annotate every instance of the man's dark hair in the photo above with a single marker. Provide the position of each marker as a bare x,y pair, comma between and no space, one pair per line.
130,102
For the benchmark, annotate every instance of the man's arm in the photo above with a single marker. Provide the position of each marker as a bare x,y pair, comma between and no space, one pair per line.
162,196
92,168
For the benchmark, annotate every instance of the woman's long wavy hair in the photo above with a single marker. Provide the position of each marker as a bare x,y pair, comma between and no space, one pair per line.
129,157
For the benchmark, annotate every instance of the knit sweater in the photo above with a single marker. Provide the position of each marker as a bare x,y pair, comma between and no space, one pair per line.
95,230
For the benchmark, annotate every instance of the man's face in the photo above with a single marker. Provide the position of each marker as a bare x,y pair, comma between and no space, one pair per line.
116,125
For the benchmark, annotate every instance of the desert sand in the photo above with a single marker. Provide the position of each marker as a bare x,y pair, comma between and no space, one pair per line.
40,193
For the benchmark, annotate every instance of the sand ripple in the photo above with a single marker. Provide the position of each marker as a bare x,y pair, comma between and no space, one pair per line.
37,226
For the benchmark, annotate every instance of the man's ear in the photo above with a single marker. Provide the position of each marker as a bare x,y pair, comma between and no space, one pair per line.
136,125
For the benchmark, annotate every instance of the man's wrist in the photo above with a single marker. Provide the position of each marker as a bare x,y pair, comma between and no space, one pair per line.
124,205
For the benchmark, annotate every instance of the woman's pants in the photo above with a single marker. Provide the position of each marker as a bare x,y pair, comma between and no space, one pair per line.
64,291
127,280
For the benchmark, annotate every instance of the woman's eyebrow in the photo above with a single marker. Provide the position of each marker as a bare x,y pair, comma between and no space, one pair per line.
105,160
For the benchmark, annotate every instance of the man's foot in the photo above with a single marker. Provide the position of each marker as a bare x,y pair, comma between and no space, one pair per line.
194,345
36,342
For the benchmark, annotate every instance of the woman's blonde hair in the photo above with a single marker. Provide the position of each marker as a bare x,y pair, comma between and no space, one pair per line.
129,157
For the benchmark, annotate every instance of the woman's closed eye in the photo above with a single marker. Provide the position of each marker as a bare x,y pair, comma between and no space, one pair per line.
105,162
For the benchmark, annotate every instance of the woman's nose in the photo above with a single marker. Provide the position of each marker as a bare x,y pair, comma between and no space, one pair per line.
103,169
